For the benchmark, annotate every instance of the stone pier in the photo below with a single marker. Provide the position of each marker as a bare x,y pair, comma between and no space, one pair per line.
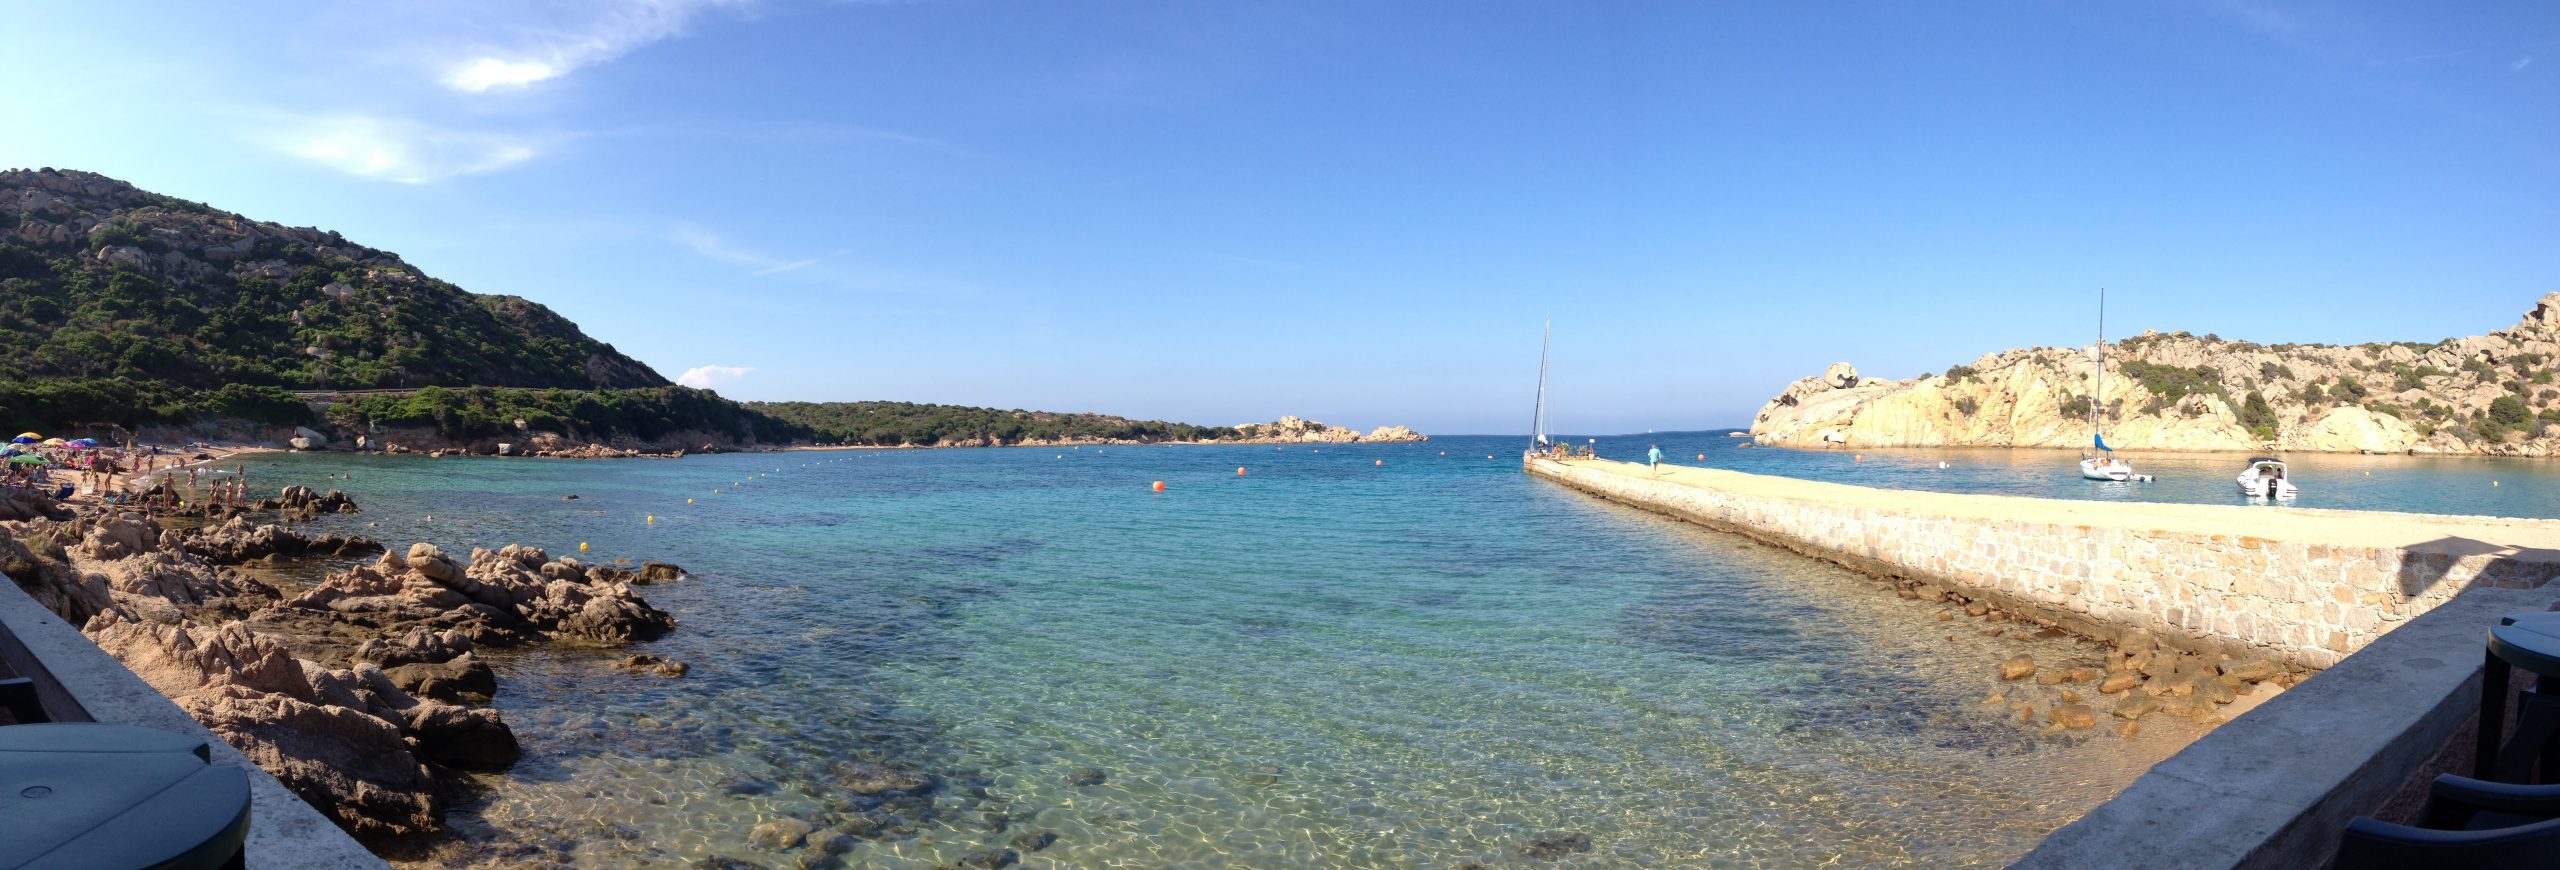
2300,585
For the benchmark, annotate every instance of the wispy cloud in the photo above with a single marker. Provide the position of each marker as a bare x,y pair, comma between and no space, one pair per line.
2417,58
785,267
711,245
394,149
570,36
2520,64
712,377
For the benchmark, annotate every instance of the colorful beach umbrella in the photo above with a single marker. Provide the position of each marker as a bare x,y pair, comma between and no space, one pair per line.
29,438
53,442
85,442
30,459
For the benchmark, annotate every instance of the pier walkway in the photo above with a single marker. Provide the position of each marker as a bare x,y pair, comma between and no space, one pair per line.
2305,585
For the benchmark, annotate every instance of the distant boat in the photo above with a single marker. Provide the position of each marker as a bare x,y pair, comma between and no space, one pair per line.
1538,420
2104,466
2265,479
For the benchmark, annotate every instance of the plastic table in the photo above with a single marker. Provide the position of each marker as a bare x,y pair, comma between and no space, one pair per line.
81,795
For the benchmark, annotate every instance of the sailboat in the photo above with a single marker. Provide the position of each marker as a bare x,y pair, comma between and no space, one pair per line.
2105,465
1538,423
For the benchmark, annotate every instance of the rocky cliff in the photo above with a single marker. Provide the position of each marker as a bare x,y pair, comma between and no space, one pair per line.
2485,394
105,280
1291,430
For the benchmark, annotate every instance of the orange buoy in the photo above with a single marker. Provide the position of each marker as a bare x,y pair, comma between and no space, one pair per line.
1382,462
1702,457
1858,458
1159,486
1239,471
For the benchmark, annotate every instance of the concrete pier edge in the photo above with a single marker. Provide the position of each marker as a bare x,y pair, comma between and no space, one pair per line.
2276,786
2303,586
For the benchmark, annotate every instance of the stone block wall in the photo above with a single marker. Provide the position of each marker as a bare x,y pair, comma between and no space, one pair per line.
2309,604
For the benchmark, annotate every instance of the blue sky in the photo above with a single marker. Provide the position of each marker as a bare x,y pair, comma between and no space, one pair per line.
1355,211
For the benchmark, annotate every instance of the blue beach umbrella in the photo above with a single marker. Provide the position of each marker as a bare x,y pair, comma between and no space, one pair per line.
29,438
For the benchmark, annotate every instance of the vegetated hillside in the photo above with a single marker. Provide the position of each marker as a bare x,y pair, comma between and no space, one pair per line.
2489,393
101,281
650,417
907,423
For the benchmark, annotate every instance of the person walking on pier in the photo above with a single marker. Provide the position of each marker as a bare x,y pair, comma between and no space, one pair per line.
1653,458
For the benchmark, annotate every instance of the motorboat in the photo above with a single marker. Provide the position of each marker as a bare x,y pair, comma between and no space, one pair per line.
2265,479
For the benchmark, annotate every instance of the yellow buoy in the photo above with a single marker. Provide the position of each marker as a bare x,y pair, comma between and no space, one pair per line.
653,519
582,546
2493,483
688,501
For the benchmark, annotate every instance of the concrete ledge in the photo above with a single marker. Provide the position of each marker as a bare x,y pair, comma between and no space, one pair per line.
2275,787
284,832
2305,586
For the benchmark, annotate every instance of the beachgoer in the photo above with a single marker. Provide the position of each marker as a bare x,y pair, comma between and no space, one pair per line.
1653,458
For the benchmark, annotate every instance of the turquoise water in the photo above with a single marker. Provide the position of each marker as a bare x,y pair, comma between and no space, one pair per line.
1322,663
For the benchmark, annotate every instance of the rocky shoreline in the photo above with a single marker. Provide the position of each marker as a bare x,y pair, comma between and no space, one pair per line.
364,693
2490,395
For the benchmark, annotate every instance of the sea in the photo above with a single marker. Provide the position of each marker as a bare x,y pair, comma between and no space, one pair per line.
1395,655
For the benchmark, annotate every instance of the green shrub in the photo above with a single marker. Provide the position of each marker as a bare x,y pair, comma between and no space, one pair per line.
2489,430
2508,412
1961,374
2171,383
2257,415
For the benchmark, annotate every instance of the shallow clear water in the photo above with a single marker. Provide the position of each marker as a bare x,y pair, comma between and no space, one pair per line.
1322,663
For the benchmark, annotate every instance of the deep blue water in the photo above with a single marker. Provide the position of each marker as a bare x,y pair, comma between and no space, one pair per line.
1325,662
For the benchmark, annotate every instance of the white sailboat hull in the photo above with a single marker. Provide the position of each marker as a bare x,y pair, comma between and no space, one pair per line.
2095,469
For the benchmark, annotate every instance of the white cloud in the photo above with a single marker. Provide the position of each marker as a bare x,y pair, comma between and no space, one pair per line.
2520,64
573,35
711,377
490,72
711,245
394,149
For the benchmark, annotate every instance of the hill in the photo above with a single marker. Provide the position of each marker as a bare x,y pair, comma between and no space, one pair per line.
2484,394
122,307
105,282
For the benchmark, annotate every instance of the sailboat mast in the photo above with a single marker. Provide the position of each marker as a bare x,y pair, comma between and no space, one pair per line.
1538,423
2100,400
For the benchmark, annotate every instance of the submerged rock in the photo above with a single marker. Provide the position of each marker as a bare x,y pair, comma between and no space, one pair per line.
1034,841
991,859
780,834
1084,776
872,778
664,667
1555,846
2018,667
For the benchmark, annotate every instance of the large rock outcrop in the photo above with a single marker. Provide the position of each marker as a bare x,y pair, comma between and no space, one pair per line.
1292,430
355,693
2491,393
510,595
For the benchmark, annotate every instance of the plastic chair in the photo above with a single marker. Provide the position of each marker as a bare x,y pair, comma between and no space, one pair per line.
2468,823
